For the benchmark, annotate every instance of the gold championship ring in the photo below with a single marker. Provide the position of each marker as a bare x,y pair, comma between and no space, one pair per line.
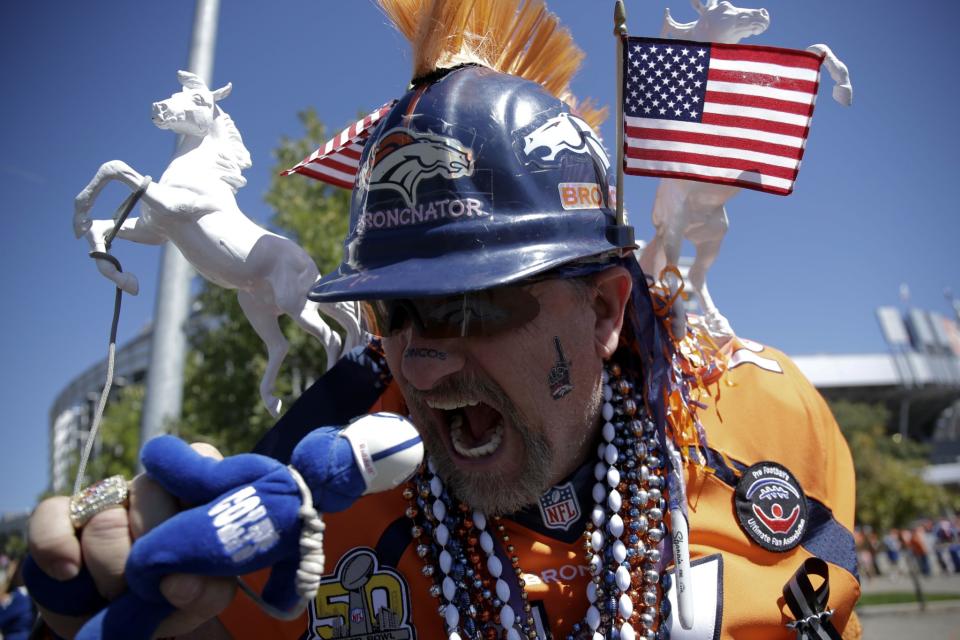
100,496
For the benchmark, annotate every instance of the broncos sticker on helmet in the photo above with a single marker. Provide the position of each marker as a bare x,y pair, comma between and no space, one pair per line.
404,157
560,135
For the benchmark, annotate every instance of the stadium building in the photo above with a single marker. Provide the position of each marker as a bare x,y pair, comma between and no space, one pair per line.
72,411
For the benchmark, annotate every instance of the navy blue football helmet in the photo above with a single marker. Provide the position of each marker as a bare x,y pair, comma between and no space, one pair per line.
475,179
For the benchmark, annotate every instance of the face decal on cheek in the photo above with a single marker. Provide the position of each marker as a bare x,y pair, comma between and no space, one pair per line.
419,352
559,377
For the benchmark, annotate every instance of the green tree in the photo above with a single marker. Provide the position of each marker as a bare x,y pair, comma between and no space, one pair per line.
13,545
311,212
120,435
890,488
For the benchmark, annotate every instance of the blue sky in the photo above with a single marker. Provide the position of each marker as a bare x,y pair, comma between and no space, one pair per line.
873,206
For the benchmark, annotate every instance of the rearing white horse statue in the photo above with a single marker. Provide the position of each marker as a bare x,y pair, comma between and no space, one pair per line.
696,210
194,206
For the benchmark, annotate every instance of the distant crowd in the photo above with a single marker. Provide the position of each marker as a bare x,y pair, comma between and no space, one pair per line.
17,613
931,546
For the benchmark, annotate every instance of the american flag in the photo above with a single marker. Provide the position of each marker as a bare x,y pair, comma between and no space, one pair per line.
336,161
732,114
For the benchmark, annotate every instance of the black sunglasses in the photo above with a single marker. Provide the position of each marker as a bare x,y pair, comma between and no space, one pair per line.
475,313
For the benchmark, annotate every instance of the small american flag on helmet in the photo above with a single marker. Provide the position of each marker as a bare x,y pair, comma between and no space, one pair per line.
336,161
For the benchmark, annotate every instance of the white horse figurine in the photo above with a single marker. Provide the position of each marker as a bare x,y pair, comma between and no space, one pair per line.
696,210
194,206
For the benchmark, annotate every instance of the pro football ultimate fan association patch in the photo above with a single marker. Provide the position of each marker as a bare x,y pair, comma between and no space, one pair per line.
771,506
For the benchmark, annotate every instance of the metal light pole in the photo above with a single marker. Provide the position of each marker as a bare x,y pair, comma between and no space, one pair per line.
168,344
953,302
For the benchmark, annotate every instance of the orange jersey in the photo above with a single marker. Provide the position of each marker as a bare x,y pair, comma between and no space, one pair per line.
768,411
375,587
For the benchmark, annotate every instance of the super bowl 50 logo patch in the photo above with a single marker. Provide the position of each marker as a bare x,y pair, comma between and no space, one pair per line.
361,601
771,506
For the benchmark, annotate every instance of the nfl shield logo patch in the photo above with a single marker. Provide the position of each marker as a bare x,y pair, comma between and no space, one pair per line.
559,507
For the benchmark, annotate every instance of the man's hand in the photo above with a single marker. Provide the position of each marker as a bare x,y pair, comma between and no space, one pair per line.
103,546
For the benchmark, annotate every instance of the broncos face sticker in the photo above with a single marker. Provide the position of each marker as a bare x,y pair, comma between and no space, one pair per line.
561,135
403,158
771,506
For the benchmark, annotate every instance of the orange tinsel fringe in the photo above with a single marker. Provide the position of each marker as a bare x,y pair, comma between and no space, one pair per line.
696,366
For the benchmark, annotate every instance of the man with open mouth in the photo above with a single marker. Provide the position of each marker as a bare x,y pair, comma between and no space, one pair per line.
570,438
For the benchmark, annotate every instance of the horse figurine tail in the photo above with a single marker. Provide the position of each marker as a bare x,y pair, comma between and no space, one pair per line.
842,88
347,315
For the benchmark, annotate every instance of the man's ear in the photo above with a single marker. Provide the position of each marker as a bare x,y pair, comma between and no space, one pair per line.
611,291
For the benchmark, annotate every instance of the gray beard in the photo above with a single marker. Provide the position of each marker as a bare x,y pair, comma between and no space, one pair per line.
491,493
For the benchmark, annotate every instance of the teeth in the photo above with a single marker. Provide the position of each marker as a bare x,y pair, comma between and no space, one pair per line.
452,404
456,434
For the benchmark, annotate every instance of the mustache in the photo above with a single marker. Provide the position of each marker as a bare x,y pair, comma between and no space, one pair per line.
462,386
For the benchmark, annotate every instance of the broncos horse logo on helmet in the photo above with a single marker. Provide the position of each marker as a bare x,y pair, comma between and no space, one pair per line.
564,132
404,157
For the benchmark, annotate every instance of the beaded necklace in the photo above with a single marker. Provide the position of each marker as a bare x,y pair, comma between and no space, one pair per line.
621,541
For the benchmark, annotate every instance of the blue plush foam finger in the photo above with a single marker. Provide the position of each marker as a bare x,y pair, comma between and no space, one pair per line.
248,520
248,517
254,525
